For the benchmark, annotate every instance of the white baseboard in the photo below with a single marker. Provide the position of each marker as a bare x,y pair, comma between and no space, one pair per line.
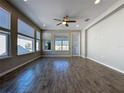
8,71
83,56
106,65
55,55
75,55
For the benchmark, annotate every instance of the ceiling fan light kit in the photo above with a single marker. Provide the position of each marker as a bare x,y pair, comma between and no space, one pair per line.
65,21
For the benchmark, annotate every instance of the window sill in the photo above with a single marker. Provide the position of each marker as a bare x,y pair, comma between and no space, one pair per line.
61,51
26,54
38,51
47,50
5,57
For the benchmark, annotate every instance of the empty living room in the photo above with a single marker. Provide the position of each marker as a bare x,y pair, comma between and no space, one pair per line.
61,46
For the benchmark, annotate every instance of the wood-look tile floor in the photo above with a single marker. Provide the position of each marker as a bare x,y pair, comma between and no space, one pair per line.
65,75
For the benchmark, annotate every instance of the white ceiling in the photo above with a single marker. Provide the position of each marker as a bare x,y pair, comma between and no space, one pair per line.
44,11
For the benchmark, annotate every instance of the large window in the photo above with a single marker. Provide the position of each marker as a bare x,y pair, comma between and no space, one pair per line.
25,45
3,44
25,38
37,41
47,41
5,18
47,45
61,44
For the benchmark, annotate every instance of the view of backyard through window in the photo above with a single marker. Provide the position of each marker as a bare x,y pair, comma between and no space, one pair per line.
25,45
62,45
3,45
5,24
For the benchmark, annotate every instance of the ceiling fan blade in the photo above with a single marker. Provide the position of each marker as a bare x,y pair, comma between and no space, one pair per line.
71,21
66,25
59,24
57,19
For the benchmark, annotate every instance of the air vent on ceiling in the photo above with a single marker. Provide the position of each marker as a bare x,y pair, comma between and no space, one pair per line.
86,20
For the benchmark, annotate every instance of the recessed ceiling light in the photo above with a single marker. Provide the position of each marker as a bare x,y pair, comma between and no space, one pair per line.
44,25
97,2
25,0
77,25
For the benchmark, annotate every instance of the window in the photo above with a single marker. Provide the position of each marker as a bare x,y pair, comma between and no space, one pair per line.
65,45
25,45
37,45
3,44
61,44
4,32
25,38
37,41
58,45
4,18
47,45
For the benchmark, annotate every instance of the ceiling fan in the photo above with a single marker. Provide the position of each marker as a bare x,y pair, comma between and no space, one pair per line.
65,21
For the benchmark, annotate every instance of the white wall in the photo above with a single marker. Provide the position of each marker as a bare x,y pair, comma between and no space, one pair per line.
83,43
76,44
106,41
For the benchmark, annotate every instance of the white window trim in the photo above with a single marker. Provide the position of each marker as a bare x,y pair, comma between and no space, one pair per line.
18,33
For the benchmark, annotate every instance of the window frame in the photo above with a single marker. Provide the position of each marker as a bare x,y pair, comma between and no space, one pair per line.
7,41
33,44
45,38
24,35
7,33
61,46
10,20
44,45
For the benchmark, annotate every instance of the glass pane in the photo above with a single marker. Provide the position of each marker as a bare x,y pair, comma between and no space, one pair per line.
3,44
25,45
38,45
47,45
37,34
25,29
58,45
65,46
4,18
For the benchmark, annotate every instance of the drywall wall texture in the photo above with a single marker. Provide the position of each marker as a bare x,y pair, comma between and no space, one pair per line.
76,44
105,41
83,41
14,60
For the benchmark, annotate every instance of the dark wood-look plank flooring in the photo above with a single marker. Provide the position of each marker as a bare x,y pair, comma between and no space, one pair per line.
64,75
